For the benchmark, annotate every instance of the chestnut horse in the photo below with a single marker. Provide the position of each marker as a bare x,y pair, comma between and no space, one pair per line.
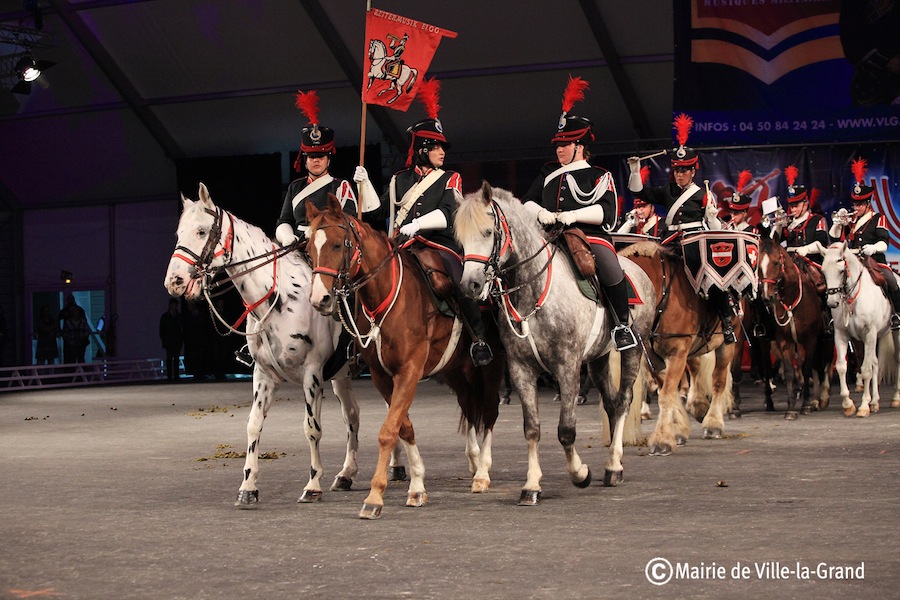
685,328
404,338
799,326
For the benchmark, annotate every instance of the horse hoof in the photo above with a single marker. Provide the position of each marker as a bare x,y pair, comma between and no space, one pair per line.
480,485
681,440
247,498
850,411
806,410
584,482
310,496
341,484
416,499
646,416
397,473
712,433
370,511
660,450
613,478
813,405
790,415
504,400
579,399
895,403
735,414
530,498
823,403
874,408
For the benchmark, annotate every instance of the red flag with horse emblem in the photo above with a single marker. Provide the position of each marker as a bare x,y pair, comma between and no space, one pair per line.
399,53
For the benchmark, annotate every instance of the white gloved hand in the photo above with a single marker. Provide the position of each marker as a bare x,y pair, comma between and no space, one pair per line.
842,212
545,217
360,175
410,229
566,218
802,251
284,234
634,164
868,249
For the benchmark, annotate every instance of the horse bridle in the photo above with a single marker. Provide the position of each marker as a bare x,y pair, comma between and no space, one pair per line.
201,262
503,243
843,291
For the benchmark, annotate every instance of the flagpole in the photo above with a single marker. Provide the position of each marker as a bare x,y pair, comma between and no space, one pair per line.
362,127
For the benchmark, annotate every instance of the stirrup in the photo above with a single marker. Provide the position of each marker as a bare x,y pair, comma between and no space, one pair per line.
895,321
243,356
623,337
481,353
759,330
728,334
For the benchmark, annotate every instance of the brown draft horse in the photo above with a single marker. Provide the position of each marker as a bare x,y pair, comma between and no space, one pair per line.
685,328
403,338
799,326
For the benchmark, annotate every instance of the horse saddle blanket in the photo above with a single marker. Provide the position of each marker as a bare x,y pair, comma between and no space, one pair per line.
722,259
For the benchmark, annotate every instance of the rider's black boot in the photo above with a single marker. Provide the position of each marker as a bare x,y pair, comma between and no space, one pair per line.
479,351
623,336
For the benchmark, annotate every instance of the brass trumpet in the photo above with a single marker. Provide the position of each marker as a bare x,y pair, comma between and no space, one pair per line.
779,218
841,217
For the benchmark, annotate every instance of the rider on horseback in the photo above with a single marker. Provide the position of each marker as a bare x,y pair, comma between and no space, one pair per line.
689,210
806,235
425,196
316,150
868,233
572,191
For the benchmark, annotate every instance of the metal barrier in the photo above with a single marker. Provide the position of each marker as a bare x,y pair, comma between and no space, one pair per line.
101,371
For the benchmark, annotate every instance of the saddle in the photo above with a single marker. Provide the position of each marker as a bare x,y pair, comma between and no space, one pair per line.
580,251
392,67
813,271
877,276
433,268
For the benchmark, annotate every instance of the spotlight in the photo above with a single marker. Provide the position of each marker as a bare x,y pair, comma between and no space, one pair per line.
66,276
28,69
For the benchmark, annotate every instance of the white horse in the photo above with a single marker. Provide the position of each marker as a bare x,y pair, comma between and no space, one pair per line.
401,81
860,311
547,325
286,337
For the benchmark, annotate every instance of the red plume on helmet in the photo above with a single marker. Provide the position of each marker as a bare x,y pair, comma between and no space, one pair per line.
796,192
682,125
308,103
429,95
314,139
738,200
814,196
861,191
743,179
859,167
683,156
790,173
572,128
428,131
574,93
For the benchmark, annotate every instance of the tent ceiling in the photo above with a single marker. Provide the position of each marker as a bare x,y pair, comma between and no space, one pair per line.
139,84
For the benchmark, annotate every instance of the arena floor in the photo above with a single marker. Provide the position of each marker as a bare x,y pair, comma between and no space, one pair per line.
116,492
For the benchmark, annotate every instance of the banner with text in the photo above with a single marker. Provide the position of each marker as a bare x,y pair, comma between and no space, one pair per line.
399,53
787,71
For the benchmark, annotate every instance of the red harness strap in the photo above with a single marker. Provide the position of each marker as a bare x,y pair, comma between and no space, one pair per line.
251,307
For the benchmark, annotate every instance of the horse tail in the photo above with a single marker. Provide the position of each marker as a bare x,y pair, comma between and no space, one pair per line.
414,75
887,365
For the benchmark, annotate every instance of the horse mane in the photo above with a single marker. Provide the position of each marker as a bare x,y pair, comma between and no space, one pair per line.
647,248
472,219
